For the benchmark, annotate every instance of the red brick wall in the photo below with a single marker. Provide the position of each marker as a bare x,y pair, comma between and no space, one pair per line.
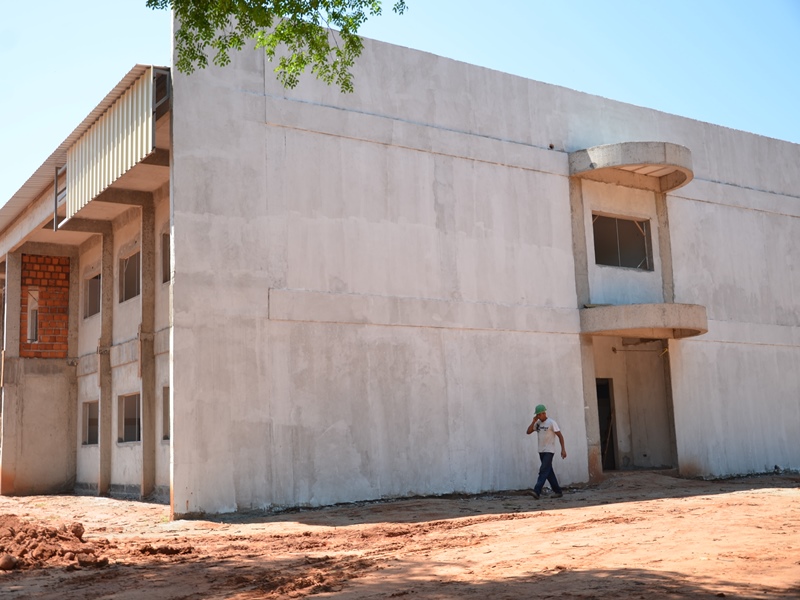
49,275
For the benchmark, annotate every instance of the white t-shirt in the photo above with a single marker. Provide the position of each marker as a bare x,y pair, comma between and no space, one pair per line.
546,432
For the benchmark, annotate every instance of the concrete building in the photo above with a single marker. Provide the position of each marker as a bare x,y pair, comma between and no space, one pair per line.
242,297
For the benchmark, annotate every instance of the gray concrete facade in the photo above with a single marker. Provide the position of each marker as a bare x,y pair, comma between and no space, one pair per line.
350,297
395,277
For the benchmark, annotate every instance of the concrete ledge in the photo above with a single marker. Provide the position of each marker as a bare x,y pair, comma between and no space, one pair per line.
87,364
161,341
124,353
656,166
322,307
653,321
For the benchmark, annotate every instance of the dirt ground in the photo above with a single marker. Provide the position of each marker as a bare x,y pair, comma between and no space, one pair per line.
636,535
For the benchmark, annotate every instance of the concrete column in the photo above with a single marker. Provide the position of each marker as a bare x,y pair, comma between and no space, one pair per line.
13,290
106,429
665,249
668,287
147,359
579,250
581,254
12,406
71,368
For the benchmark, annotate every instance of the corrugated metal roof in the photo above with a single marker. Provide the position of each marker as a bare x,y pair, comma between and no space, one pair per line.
44,175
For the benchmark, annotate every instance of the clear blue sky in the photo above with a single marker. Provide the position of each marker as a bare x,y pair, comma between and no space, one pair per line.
730,62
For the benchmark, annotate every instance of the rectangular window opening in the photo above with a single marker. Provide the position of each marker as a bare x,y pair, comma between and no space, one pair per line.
92,293
129,277
91,421
33,316
165,418
622,242
129,419
165,260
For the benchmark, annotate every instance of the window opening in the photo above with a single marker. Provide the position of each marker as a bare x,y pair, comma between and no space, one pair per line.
165,262
605,414
91,430
33,316
129,280
92,293
165,413
622,242
129,421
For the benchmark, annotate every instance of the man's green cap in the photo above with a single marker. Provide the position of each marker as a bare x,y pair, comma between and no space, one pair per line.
540,409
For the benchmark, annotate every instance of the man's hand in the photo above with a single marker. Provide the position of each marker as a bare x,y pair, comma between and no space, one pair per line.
563,453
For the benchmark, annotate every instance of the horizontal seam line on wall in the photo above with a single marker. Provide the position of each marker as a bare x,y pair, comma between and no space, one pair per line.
409,122
729,205
433,152
467,133
373,324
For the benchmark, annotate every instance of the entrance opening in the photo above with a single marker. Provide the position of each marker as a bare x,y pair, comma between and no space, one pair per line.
605,413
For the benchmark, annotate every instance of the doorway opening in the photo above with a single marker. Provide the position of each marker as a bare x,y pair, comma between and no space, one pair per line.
605,413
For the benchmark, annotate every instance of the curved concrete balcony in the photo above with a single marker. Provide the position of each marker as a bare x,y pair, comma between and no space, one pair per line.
652,321
656,166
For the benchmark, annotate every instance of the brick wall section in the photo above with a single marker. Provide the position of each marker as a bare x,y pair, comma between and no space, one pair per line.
50,276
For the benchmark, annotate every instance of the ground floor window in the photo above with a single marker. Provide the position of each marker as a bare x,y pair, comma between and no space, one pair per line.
91,422
130,419
165,419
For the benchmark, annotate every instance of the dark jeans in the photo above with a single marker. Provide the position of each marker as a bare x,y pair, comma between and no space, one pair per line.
546,473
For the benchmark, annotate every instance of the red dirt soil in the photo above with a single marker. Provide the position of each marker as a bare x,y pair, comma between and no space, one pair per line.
636,535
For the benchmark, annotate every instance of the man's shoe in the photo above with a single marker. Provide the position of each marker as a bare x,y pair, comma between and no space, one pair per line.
534,494
558,495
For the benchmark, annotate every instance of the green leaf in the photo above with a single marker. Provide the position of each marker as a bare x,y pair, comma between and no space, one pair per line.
320,35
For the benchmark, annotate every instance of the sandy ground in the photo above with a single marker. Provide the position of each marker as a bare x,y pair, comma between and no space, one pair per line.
636,535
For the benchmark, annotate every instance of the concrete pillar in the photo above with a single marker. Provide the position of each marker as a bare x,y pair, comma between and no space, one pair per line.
11,402
665,249
106,429
13,289
668,287
71,368
581,254
147,359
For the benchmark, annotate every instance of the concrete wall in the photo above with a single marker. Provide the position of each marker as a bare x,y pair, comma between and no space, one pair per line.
277,401
371,291
736,399
38,424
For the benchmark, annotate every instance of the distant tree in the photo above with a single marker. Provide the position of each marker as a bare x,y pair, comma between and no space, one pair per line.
320,34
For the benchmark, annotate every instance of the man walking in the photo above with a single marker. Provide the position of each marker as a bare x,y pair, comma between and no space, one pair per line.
547,431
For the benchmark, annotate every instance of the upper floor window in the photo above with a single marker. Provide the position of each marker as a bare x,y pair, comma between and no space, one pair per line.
33,316
129,277
91,296
622,242
165,264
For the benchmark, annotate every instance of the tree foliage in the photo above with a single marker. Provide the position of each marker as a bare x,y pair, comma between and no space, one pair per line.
320,34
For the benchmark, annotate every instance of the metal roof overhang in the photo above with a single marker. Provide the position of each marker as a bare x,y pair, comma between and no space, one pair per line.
146,175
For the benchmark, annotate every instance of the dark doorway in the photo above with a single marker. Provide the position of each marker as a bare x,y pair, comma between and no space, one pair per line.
605,413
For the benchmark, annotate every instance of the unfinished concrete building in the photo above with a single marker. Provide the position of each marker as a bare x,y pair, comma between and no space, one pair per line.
237,296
